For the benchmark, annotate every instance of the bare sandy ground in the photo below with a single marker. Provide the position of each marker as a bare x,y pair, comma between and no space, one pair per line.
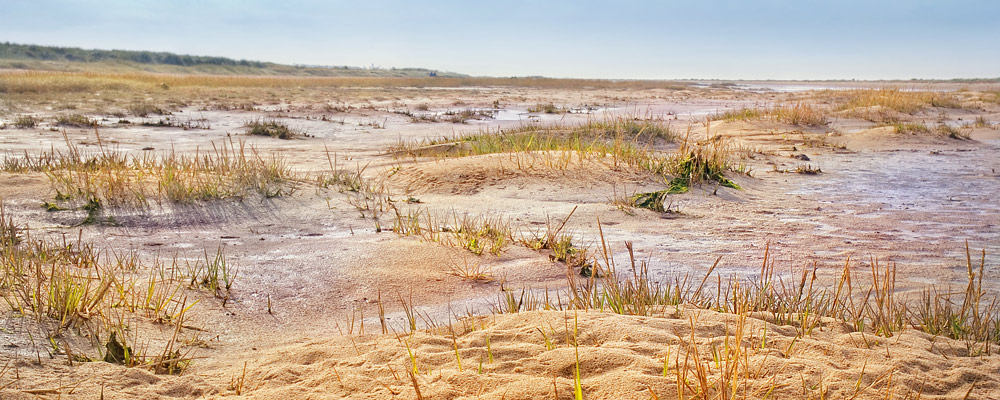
618,356
909,199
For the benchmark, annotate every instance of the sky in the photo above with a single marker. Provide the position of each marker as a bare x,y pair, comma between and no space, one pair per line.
769,39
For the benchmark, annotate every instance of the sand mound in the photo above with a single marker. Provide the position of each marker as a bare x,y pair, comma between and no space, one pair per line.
871,113
534,355
886,138
471,175
623,357
93,380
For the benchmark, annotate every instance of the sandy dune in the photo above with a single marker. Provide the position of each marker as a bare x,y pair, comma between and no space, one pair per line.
620,357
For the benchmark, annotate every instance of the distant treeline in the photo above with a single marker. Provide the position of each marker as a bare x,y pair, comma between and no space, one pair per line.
72,59
50,53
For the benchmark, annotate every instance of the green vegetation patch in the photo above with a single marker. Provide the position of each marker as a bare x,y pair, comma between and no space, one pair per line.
651,201
698,167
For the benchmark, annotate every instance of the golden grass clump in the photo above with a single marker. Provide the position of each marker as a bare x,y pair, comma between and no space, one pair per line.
111,178
802,114
910,128
990,97
624,142
907,102
75,120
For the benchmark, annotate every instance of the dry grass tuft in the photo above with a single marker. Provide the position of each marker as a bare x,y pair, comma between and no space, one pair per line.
620,142
911,128
72,288
111,178
26,121
907,102
802,114
271,128
75,120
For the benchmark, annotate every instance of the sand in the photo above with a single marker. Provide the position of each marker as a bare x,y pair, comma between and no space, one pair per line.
620,357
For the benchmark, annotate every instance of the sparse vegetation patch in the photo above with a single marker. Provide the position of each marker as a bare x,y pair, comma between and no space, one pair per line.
953,132
185,124
72,288
25,121
546,108
144,109
911,128
803,114
271,128
907,102
114,179
75,120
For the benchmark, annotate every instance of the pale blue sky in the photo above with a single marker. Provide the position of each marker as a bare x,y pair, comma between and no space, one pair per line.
585,39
